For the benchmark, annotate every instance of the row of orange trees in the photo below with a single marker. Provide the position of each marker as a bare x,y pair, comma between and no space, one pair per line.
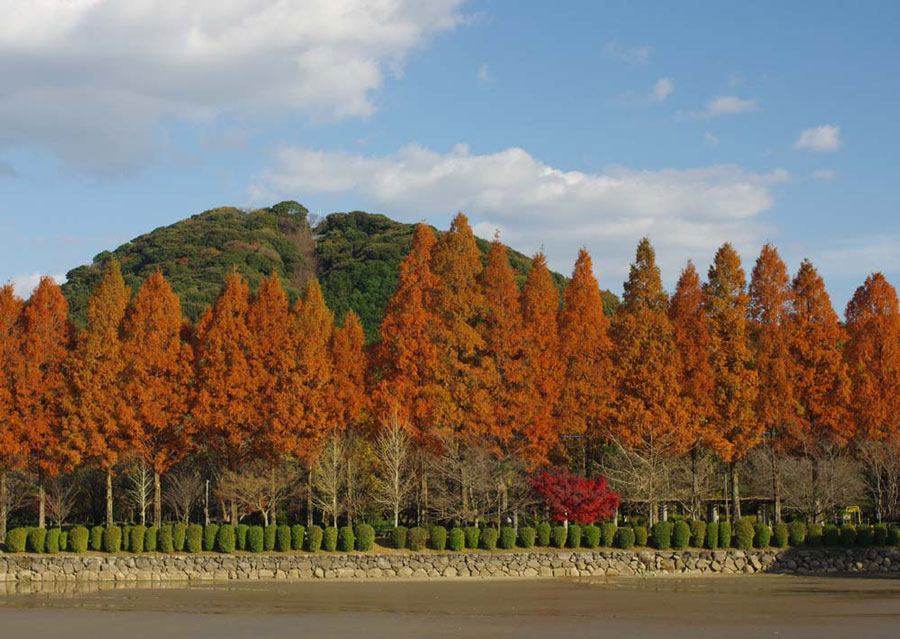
466,358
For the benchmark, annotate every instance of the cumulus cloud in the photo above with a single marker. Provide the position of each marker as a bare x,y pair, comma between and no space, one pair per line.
662,90
726,105
826,137
686,212
24,284
638,56
92,80
711,140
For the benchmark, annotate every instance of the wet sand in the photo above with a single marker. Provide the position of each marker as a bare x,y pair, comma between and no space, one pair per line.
698,608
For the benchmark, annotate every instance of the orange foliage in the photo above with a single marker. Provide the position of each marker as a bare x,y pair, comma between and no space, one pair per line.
13,451
349,379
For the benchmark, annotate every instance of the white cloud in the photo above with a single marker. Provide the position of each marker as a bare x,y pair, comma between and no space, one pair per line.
711,140
726,105
824,175
826,137
662,90
24,284
483,74
686,212
92,80
638,56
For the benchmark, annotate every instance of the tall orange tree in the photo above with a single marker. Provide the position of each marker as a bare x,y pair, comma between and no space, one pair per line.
156,381
41,389
13,450
648,412
735,385
821,387
545,368
769,308
97,372
690,330
584,346
406,354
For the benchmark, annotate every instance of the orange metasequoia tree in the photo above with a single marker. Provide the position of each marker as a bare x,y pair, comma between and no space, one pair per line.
41,389
725,302
584,347
157,377
769,309
821,388
97,372
690,330
545,369
13,450
648,414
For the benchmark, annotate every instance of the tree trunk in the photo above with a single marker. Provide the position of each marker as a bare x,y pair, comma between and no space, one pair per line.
272,493
42,503
776,490
3,501
695,483
815,490
109,499
464,496
424,510
349,489
309,502
735,491
234,512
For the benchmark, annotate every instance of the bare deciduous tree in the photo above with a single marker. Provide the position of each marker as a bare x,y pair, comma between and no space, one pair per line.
61,496
140,489
258,489
329,477
394,477
882,476
184,491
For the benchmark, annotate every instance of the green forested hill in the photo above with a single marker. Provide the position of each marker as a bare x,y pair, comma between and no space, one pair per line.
355,256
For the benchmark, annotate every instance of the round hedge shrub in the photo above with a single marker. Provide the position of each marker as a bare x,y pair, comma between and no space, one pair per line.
194,540
456,539
365,537
880,535
398,537
681,535
661,532
97,538
240,536
815,535
78,539
51,542
269,534
558,536
138,533
743,534
151,539
507,539
225,541
255,536
112,539
893,538
573,540
283,538
64,540
37,538
298,533
796,533
711,536
608,536
725,534
624,538
543,534
526,536
314,537
698,533
416,538
782,535
437,538
865,536
473,536
489,538
346,539
126,538
179,536
640,536
848,536
210,532
17,539
762,535
590,536
831,535
330,539
164,539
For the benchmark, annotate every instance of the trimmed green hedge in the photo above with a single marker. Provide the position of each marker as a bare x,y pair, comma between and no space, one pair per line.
507,539
815,535
194,539
37,538
225,541
893,536
681,535
64,540
365,537
112,539
865,536
330,539
762,535
590,536
416,538
880,535
542,531
473,536
298,534
848,536
725,534
210,532
78,539
437,537
796,533
456,539
662,535
624,538
314,537
269,534
527,535
698,533
151,539
831,535
640,536
137,535
489,538
240,536
51,542
573,540
255,535
164,539
558,536
179,536
608,536
398,536
17,539
346,539
743,534
781,535
283,538
711,535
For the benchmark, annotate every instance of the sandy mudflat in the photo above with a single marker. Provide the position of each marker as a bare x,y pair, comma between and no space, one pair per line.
695,608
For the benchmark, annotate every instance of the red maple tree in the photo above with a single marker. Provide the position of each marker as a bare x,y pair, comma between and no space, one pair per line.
570,497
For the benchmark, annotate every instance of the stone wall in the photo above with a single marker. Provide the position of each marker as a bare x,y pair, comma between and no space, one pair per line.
209,567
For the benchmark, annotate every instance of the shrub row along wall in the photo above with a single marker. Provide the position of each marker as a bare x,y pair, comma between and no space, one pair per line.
165,568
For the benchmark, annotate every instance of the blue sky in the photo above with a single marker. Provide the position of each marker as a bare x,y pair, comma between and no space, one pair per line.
562,124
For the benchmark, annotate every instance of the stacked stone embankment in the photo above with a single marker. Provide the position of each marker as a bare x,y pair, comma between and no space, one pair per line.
305,566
